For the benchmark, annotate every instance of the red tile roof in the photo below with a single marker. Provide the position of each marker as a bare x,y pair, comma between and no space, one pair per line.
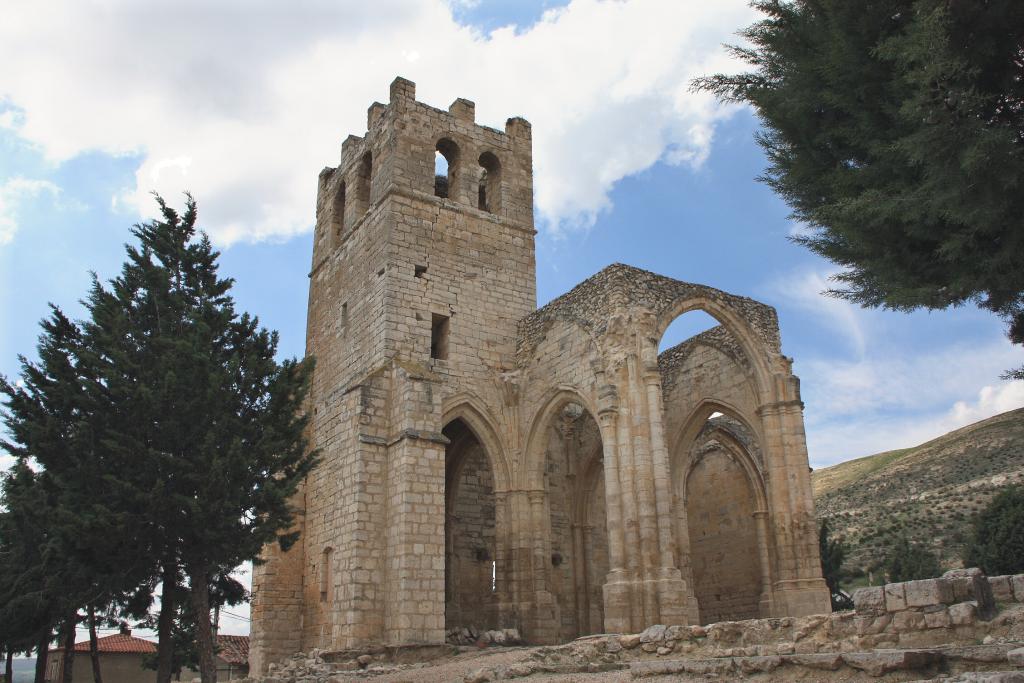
119,643
234,649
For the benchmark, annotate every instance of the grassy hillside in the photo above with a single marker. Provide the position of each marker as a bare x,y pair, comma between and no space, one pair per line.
929,493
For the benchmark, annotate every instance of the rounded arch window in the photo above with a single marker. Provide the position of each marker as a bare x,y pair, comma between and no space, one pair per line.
446,165
489,183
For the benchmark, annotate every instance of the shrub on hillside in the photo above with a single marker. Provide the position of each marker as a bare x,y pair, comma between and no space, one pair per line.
997,543
909,561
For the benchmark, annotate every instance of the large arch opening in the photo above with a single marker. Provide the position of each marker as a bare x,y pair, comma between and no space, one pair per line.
471,572
574,483
711,391
719,490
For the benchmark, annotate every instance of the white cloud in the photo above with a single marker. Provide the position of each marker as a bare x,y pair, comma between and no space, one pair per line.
897,401
257,96
13,192
804,290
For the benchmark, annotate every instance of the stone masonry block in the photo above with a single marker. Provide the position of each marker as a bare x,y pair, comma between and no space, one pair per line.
895,597
963,582
928,592
937,619
1002,589
963,614
869,600
1017,583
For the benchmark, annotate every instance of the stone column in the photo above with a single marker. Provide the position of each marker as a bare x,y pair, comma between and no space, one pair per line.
631,594
766,607
546,613
503,570
674,594
592,624
617,592
798,588
414,591
644,485
579,580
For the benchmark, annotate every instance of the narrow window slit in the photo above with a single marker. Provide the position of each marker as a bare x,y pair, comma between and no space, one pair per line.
439,337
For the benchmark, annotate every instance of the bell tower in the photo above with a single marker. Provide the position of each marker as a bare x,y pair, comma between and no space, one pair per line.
417,283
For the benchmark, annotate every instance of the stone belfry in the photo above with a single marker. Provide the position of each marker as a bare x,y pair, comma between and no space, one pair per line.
416,287
487,464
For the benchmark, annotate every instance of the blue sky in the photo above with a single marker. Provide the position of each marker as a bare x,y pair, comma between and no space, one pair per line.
220,99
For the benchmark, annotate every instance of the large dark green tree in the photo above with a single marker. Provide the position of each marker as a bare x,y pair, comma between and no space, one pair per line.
833,552
208,424
50,416
895,131
29,598
997,542
907,560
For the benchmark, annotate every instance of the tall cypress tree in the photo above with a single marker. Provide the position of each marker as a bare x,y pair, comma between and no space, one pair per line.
895,131
78,519
28,597
207,424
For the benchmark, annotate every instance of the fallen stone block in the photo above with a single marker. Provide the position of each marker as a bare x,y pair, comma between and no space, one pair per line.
653,634
881,662
1016,657
825,661
629,641
762,664
698,667
677,632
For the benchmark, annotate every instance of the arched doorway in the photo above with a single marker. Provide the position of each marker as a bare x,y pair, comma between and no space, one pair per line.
574,483
471,598
726,541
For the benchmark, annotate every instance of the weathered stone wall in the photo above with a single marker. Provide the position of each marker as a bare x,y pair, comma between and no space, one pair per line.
947,629
720,506
470,530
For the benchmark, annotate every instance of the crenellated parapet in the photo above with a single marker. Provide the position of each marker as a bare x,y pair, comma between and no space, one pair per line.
489,171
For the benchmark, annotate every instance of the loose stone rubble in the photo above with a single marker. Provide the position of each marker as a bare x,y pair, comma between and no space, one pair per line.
962,627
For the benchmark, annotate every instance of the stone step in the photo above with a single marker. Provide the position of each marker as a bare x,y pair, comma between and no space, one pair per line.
978,677
873,662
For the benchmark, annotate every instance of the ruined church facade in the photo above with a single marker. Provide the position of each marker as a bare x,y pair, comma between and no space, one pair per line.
487,463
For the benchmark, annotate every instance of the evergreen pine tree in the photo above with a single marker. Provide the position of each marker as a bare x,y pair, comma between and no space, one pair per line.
997,543
895,131
910,561
206,422
53,422
833,551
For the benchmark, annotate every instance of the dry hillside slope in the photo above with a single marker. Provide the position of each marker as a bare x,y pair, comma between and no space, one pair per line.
929,493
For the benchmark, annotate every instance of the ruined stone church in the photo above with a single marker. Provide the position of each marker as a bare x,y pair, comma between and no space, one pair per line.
487,463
